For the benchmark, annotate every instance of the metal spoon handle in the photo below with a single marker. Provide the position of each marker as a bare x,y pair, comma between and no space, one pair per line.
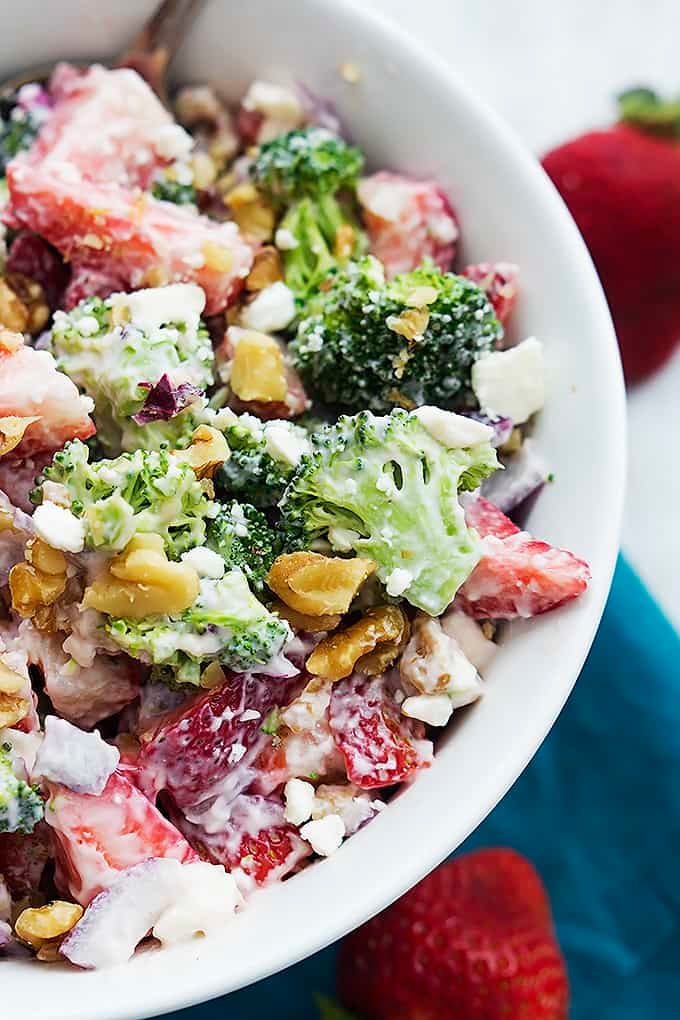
154,46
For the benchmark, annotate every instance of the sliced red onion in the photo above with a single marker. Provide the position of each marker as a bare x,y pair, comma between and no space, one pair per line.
164,400
5,934
319,111
502,427
525,473
79,760
118,919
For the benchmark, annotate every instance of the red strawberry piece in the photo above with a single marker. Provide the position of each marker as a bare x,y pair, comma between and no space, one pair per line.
622,186
90,279
498,280
380,745
207,747
517,575
105,125
98,837
30,384
407,221
254,837
33,257
473,941
128,236
23,859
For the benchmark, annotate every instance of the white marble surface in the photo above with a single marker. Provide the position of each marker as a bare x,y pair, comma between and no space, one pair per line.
551,69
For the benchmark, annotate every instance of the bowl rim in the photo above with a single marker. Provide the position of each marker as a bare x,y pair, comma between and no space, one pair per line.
211,982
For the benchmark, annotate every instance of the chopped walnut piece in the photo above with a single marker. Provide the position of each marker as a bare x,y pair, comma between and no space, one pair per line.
12,430
208,450
257,370
37,925
266,268
254,216
337,656
318,585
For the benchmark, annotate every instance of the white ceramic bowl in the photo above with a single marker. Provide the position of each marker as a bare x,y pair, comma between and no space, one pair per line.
410,113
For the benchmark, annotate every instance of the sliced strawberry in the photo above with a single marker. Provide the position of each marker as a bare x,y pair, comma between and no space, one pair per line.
30,384
34,258
206,748
498,280
379,744
98,837
255,838
128,236
517,576
105,125
23,859
407,221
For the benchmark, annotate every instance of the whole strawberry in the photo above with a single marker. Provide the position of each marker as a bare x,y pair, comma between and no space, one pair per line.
622,186
473,941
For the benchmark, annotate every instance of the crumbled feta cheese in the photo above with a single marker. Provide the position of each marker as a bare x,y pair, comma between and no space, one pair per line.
157,306
240,521
274,101
88,325
398,581
59,528
173,142
454,431
207,898
387,199
285,240
324,834
55,492
205,562
273,309
250,715
81,761
299,797
511,383
284,444
433,709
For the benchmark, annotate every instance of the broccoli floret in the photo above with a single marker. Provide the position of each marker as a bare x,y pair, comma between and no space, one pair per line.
19,127
262,459
244,538
385,488
172,191
413,340
151,491
146,378
20,805
311,161
226,624
310,175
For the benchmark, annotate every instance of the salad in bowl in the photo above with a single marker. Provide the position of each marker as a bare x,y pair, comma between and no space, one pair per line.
265,451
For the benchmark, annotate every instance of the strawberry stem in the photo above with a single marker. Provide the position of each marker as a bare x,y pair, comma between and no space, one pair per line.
644,108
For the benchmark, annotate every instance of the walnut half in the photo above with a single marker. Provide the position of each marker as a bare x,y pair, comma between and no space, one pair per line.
381,629
318,585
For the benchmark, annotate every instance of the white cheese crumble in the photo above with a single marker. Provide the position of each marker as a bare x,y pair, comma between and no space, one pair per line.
59,528
154,307
433,709
173,142
274,101
250,715
511,383
299,797
398,581
207,898
470,636
273,309
205,562
454,431
324,834
285,240
284,444
88,325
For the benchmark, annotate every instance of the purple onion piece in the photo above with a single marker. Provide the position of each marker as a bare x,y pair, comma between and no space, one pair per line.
117,919
525,473
320,112
5,934
165,401
502,427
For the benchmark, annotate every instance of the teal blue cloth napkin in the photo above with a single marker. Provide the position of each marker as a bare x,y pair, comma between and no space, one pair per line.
598,811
